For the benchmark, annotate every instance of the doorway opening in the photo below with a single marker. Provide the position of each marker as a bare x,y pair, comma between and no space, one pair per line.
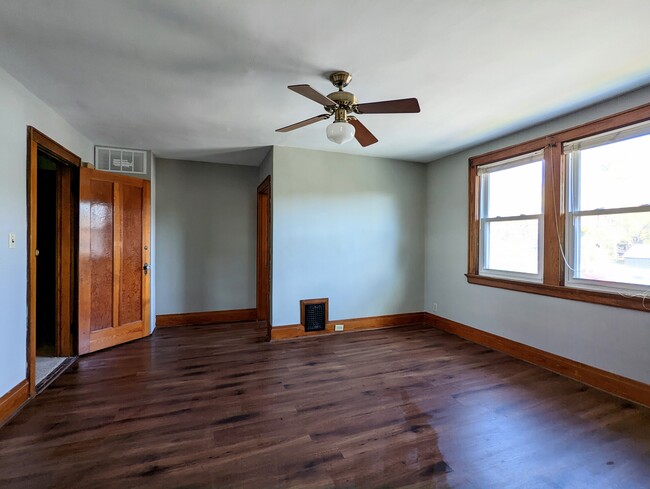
53,317
264,253
53,201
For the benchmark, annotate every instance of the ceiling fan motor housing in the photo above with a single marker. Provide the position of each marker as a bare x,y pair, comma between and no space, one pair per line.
343,98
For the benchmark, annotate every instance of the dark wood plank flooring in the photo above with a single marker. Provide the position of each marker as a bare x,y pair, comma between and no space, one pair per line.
218,407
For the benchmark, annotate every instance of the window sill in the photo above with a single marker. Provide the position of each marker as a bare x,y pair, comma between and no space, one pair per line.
592,296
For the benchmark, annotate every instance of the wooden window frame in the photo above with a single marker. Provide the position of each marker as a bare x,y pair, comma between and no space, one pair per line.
482,234
554,212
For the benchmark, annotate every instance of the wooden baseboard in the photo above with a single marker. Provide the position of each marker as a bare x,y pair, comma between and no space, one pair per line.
356,324
611,383
13,400
208,317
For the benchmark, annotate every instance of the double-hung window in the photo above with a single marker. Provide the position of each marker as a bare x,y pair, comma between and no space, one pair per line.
608,210
511,217
566,215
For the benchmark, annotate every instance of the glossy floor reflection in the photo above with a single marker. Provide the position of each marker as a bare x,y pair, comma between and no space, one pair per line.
412,407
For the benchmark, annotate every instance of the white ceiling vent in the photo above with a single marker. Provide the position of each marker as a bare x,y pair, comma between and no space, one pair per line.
131,161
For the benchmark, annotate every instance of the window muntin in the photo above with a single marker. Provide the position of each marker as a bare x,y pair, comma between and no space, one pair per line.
511,224
608,210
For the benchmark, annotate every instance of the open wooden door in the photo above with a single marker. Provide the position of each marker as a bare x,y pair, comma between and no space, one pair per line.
114,251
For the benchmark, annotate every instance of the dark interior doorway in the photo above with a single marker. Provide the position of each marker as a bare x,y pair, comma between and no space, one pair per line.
46,286
52,277
56,262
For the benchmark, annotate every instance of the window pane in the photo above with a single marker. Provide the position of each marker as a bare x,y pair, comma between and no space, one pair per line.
614,248
514,191
512,246
615,175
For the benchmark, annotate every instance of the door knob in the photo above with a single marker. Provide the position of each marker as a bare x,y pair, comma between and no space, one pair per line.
146,268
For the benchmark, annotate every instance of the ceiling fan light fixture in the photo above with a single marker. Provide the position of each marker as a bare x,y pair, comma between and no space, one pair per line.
340,132
342,105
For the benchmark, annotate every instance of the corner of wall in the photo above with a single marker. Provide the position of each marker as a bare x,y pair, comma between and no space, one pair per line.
152,244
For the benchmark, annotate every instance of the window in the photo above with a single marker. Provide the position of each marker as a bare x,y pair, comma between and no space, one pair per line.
567,215
608,210
511,217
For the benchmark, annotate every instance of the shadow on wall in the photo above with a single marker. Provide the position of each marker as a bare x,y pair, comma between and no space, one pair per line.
357,248
206,236
348,228
248,156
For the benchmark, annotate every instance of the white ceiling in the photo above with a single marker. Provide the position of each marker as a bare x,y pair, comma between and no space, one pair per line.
206,80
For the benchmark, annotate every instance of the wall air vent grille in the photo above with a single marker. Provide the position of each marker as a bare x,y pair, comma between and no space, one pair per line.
129,161
313,314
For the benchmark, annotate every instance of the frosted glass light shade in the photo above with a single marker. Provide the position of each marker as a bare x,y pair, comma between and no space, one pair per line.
340,132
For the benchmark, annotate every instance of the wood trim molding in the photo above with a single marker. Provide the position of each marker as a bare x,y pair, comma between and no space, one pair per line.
611,383
554,213
207,317
562,292
51,146
604,124
509,152
305,302
36,141
13,400
356,324
264,259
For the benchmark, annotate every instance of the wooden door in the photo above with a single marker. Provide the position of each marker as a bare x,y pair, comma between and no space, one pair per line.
114,257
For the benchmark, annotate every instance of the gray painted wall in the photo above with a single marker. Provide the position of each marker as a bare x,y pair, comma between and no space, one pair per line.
205,236
348,228
21,108
613,339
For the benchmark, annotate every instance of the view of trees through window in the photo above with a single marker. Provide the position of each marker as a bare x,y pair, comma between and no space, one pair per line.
566,214
612,212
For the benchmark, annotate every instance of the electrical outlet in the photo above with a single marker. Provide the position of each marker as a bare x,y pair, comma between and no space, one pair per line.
12,240
435,306
339,327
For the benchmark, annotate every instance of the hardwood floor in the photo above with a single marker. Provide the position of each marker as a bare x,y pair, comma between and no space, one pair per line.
218,407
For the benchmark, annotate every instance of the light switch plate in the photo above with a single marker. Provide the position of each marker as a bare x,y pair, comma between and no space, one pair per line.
12,240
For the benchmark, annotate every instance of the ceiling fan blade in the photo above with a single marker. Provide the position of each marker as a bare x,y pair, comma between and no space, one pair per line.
304,123
402,106
310,93
361,133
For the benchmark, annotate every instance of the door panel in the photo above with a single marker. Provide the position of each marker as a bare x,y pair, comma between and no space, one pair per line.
130,305
101,254
113,249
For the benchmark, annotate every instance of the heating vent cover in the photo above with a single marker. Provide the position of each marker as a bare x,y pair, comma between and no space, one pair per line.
313,314
133,161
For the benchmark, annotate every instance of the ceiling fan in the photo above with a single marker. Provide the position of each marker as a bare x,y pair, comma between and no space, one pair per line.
340,104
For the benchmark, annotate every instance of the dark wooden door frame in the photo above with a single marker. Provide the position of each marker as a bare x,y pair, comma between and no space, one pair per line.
37,141
263,282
